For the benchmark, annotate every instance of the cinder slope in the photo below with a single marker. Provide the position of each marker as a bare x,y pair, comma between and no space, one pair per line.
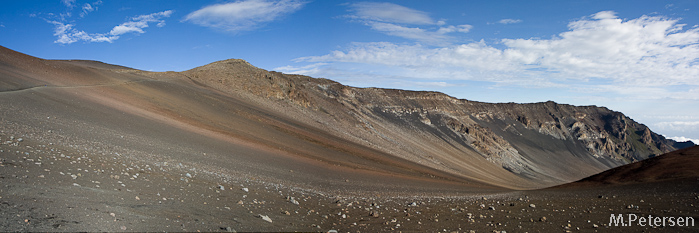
229,117
164,117
676,165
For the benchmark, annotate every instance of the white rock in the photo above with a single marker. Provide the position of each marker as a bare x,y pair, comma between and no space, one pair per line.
266,218
246,190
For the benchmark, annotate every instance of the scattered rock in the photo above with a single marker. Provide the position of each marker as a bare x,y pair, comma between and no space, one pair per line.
188,175
532,206
542,219
221,187
413,204
491,207
266,218
292,200
374,214
246,190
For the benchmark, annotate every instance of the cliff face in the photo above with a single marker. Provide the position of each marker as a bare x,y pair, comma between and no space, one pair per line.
545,141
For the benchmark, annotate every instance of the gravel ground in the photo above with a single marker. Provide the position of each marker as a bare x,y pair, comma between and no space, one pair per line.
56,187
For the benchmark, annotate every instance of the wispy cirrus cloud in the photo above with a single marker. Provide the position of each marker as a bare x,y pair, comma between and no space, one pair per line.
67,34
242,15
396,20
390,13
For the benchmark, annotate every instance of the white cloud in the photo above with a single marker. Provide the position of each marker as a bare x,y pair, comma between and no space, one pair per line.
66,34
68,3
679,125
410,32
312,68
389,13
647,57
137,24
604,15
425,84
647,51
509,21
397,20
242,15
460,28
87,8
684,139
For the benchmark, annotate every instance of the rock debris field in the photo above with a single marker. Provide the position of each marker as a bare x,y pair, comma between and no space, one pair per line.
64,187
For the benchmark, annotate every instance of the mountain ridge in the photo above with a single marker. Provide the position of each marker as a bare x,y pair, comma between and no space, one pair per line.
398,132
287,89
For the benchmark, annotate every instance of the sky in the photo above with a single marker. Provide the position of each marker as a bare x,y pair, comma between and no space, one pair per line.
639,57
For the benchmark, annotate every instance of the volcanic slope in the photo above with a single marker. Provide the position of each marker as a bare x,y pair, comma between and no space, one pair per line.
677,165
232,116
88,146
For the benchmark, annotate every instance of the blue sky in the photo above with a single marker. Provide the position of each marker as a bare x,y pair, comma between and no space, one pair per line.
638,57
